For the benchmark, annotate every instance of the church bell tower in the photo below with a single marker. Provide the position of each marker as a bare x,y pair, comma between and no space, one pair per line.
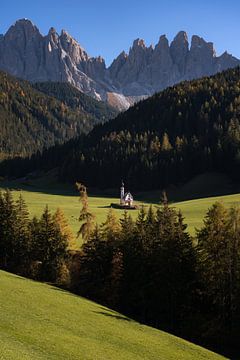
122,192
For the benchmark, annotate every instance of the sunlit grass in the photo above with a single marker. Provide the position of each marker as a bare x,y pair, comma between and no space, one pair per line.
42,322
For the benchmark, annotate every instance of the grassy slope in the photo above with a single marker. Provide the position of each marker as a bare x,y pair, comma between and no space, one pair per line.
42,322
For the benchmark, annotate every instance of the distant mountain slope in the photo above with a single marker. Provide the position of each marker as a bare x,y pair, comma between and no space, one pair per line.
42,322
77,100
31,120
26,53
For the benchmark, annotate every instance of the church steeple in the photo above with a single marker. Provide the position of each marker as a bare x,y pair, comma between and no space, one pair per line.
122,193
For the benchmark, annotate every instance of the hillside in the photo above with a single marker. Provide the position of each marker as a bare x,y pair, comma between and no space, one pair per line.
42,322
31,120
77,100
184,131
167,139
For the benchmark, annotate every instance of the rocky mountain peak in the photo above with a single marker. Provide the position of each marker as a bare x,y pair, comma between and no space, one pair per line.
25,53
179,49
22,28
181,37
25,23
163,41
200,43
52,32
53,35
66,37
138,43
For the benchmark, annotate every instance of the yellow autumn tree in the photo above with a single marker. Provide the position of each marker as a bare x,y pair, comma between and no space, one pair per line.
61,220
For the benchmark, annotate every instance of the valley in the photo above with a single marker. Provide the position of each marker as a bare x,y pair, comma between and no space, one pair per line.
195,198
119,182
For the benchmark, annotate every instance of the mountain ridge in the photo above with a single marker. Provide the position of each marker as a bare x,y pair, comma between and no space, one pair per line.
26,53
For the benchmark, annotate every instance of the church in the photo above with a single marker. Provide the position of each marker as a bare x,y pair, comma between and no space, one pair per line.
126,199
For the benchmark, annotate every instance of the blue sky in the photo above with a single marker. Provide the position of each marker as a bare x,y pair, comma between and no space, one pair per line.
106,27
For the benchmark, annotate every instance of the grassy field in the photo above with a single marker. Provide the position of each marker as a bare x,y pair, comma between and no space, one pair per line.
39,321
37,197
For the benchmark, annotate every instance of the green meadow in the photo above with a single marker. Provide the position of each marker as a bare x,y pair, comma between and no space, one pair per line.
42,192
39,322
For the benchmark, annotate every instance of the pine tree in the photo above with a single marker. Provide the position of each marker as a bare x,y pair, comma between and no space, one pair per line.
51,247
233,267
172,264
111,227
22,239
116,279
86,217
7,228
95,267
213,249
127,227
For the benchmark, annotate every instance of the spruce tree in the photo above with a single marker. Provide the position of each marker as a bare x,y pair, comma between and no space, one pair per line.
219,254
52,246
213,250
22,239
95,266
7,229
111,227
172,264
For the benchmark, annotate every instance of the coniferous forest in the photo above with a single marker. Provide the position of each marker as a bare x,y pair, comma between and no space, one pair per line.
183,131
150,269
176,134
35,117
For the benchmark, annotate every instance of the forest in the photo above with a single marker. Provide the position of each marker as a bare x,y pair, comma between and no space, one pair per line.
34,117
150,269
183,131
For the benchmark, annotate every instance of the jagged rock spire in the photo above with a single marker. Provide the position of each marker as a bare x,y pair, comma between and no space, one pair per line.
27,54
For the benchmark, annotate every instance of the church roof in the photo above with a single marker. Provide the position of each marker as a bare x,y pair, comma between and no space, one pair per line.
128,196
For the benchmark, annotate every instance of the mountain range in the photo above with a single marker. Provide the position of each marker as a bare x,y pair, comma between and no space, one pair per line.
27,54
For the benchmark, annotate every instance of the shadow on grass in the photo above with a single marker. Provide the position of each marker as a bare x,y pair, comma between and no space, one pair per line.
113,315
104,207
201,186
53,189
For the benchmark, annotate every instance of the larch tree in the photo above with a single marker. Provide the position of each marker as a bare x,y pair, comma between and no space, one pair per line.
65,229
85,217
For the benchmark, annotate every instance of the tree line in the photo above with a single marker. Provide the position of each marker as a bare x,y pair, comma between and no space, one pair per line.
183,131
150,268
36,248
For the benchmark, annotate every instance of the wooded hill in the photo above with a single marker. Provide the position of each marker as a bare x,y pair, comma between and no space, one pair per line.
183,131
75,99
30,120
178,133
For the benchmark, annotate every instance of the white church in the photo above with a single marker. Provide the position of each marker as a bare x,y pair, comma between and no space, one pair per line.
126,199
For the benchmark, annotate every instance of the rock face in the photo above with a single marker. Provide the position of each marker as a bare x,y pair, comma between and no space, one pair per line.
27,54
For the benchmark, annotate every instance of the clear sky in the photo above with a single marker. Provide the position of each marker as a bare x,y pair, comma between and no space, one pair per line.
106,27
